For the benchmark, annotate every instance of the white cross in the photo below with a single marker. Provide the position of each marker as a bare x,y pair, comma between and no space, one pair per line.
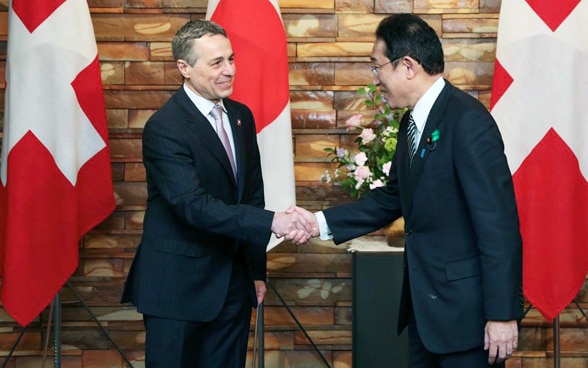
40,69
550,87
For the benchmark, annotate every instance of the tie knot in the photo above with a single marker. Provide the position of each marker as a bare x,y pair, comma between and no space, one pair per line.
217,112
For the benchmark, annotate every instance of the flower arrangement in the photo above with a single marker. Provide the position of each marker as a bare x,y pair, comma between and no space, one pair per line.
368,168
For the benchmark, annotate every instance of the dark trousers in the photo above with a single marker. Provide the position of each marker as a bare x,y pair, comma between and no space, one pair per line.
420,357
220,343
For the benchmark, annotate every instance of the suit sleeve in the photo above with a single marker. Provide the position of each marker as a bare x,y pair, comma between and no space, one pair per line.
171,168
486,182
378,208
254,195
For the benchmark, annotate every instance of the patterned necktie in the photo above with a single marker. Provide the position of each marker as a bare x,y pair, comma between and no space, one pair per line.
411,134
217,114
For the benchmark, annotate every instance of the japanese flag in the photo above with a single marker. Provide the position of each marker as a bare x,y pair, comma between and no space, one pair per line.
259,41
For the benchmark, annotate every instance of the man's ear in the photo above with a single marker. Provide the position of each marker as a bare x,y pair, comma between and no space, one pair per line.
410,65
183,67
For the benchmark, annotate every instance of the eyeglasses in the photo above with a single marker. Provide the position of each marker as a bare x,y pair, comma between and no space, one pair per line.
374,68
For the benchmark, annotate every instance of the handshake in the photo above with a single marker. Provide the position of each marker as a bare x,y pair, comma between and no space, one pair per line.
295,224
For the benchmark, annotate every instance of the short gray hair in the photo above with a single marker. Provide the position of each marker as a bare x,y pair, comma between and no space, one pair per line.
194,29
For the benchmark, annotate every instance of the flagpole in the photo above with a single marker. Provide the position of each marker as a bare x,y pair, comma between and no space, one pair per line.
556,362
57,331
260,338
556,334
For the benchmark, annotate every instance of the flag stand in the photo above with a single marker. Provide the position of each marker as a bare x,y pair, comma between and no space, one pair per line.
14,346
57,330
556,336
259,327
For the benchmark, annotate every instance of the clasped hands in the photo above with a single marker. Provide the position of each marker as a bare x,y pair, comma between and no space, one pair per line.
295,224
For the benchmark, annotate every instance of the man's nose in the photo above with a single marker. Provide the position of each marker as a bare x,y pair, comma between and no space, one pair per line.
228,68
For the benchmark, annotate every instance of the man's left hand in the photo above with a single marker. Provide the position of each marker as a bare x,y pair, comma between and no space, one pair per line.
260,290
501,339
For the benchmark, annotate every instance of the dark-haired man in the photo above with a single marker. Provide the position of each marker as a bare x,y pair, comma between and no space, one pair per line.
461,297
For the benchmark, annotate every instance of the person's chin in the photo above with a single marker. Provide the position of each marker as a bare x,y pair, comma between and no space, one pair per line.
388,101
225,92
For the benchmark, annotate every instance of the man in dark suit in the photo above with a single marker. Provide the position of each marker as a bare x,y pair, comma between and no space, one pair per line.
205,229
461,294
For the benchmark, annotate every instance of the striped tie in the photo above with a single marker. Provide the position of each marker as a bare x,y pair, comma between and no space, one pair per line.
411,134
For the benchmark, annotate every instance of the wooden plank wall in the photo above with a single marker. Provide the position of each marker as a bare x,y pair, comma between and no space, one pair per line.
329,43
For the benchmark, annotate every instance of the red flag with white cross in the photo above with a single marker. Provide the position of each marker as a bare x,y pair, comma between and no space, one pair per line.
56,181
258,38
540,102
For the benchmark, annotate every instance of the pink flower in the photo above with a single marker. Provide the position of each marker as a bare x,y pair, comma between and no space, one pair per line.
367,135
360,159
376,184
354,122
362,172
386,167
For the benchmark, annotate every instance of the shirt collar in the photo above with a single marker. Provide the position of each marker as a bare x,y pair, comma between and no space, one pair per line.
202,104
421,110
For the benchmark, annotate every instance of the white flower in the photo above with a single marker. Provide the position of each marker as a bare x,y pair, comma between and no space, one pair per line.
360,159
359,183
326,177
367,135
386,167
376,184
362,172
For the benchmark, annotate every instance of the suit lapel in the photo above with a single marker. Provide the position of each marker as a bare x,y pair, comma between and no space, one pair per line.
238,139
425,147
201,126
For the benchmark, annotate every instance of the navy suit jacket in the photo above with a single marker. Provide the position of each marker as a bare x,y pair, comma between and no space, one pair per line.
198,218
463,255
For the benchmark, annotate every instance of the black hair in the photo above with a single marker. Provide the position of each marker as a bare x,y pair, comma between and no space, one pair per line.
410,35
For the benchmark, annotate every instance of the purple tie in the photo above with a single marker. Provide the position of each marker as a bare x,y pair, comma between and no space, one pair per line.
217,114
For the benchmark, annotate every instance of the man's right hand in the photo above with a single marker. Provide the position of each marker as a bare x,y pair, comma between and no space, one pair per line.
310,220
296,224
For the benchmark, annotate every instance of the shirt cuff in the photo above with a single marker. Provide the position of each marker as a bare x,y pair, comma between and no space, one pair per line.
325,232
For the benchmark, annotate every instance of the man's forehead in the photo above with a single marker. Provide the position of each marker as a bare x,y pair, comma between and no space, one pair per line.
213,47
379,50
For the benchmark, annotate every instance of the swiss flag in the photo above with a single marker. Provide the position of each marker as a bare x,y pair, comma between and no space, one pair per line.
56,181
540,102
259,41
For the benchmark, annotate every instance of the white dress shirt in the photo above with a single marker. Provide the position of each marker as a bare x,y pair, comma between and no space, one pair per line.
205,107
